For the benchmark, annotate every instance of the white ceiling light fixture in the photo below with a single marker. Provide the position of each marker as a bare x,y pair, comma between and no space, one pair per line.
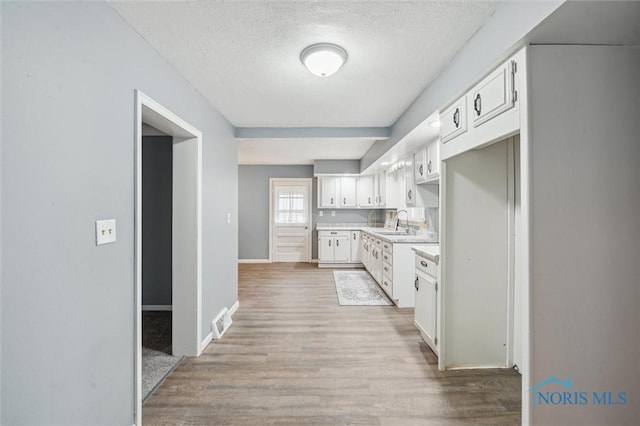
323,59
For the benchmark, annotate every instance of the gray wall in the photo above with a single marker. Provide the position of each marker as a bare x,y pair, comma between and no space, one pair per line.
336,166
585,200
157,200
253,203
69,71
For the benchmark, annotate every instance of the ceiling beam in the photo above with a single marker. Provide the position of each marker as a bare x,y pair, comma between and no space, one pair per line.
312,132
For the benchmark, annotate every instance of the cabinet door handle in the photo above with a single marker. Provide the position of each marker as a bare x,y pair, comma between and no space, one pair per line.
420,170
329,243
386,257
416,284
354,237
423,263
386,269
409,194
429,166
331,200
456,117
477,104
344,201
369,200
337,243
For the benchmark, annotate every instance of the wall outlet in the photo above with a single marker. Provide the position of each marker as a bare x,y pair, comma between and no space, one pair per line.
105,231
320,213
228,217
333,213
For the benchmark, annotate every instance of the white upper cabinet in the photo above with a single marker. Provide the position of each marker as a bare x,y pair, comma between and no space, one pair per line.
433,161
348,191
493,95
427,163
453,120
420,165
492,111
410,182
328,191
366,193
380,189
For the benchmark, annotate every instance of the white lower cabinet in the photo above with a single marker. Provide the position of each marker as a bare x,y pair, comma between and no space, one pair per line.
426,300
391,266
356,247
334,247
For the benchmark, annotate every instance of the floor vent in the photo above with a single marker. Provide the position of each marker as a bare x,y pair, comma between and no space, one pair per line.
221,323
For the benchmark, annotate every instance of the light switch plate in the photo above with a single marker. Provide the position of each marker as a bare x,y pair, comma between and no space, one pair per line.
333,213
228,217
105,231
321,213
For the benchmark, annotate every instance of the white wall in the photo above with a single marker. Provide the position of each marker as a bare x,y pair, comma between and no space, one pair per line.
69,71
476,253
585,201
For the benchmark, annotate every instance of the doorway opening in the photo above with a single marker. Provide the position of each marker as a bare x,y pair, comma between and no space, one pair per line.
182,210
290,219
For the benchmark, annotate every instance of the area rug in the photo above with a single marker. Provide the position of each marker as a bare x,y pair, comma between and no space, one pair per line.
358,288
156,366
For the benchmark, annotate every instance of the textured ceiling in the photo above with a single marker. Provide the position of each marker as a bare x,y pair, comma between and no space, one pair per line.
244,55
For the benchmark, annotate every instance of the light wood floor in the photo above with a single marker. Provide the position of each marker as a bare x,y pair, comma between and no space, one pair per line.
293,356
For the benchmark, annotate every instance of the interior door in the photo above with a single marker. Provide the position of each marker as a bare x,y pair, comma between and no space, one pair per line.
291,220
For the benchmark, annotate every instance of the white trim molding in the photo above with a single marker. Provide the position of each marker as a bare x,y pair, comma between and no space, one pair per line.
205,342
234,307
157,308
187,309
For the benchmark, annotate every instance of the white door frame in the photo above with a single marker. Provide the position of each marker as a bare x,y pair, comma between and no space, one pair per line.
307,181
186,234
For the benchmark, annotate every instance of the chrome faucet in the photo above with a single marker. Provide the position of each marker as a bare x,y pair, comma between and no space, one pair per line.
398,219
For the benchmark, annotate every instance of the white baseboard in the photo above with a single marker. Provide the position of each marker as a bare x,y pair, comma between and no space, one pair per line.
313,261
156,307
340,265
208,338
234,307
254,261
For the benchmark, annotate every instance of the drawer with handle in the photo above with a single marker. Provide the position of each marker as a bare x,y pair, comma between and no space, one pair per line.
387,257
387,286
387,270
426,266
387,247
453,120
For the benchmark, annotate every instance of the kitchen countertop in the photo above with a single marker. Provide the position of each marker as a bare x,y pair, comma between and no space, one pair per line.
431,252
394,239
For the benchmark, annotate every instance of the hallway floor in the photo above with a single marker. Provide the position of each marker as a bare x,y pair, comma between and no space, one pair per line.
294,356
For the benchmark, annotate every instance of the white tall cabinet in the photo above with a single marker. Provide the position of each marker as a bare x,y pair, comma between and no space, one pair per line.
561,264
